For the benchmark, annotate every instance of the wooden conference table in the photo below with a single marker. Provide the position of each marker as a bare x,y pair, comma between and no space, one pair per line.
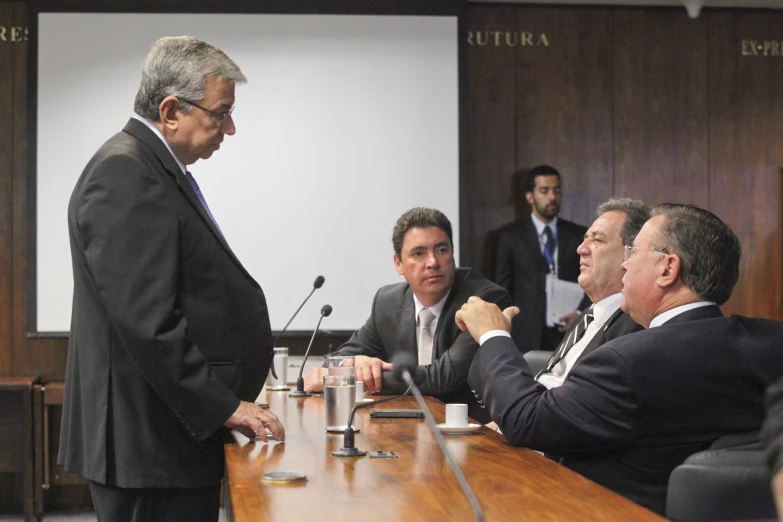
510,483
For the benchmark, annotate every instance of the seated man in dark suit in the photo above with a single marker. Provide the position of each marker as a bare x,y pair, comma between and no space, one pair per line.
418,316
618,220
532,250
635,408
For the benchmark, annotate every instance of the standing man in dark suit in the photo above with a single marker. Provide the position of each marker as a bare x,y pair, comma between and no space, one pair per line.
633,410
533,249
170,338
618,220
405,315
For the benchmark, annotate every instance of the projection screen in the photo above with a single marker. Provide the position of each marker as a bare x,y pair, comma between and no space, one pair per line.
346,122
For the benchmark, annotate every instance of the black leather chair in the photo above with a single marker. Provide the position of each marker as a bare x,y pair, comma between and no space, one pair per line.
728,481
537,360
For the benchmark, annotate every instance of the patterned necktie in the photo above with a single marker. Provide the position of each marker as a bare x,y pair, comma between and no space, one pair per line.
549,248
425,336
573,337
200,197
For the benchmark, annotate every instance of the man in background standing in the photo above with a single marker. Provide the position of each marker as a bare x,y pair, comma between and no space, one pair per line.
532,250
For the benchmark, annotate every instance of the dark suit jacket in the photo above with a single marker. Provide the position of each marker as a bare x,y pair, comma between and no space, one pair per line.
391,328
632,410
520,268
618,324
168,330
773,427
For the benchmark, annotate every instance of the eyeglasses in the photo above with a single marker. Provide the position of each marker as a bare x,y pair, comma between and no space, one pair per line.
221,117
629,251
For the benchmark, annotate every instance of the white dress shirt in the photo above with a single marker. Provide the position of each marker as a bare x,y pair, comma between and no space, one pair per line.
658,320
602,311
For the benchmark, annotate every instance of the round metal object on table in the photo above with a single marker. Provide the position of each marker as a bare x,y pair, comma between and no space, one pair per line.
283,477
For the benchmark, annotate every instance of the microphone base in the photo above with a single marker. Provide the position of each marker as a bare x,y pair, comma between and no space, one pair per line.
349,452
297,393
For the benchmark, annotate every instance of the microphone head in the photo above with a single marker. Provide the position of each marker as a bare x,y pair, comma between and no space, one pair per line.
326,310
319,282
404,361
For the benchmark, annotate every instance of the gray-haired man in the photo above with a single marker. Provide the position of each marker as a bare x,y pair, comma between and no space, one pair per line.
170,336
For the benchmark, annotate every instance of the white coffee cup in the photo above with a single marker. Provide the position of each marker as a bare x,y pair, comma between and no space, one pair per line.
359,391
457,415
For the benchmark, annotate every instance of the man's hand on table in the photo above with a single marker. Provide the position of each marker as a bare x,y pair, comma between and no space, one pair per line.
370,370
314,380
252,421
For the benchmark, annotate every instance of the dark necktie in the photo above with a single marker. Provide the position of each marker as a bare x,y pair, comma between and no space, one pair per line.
571,339
200,197
549,248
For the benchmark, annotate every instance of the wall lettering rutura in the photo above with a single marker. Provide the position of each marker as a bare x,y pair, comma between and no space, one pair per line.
13,33
507,39
762,48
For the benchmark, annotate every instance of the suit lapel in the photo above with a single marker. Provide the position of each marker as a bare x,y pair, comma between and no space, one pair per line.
406,330
145,135
563,244
530,239
556,355
449,309
596,341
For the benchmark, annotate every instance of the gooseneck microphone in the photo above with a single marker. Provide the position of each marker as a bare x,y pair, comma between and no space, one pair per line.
325,311
405,363
348,449
318,283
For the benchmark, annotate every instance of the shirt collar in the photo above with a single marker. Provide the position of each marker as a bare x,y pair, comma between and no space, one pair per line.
157,132
540,225
658,320
436,309
603,309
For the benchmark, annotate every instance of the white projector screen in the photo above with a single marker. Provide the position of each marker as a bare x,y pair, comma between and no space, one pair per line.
346,122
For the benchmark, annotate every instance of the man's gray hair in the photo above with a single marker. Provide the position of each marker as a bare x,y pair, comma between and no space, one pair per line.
637,212
709,250
178,66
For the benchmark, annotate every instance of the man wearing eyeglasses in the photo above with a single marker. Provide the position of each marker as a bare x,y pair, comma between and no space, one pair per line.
170,337
636,407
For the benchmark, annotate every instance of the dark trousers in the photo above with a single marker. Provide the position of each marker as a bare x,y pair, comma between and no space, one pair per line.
113,504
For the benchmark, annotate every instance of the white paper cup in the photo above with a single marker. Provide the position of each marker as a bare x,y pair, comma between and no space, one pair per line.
457,415
359,391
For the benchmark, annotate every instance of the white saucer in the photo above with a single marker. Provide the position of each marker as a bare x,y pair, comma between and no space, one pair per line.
281,387
365,400
458,430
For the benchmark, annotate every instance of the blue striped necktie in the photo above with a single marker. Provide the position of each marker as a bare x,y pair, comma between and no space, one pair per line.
549,248
200,197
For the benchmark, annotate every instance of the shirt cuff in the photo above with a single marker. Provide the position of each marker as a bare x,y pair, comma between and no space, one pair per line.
493,333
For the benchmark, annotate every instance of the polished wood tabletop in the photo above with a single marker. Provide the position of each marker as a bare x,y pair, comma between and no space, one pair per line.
510,483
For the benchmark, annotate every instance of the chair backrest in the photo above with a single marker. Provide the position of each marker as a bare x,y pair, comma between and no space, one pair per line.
537,360
729,481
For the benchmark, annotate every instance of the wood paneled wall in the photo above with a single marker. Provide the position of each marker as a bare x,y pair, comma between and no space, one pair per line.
637,102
